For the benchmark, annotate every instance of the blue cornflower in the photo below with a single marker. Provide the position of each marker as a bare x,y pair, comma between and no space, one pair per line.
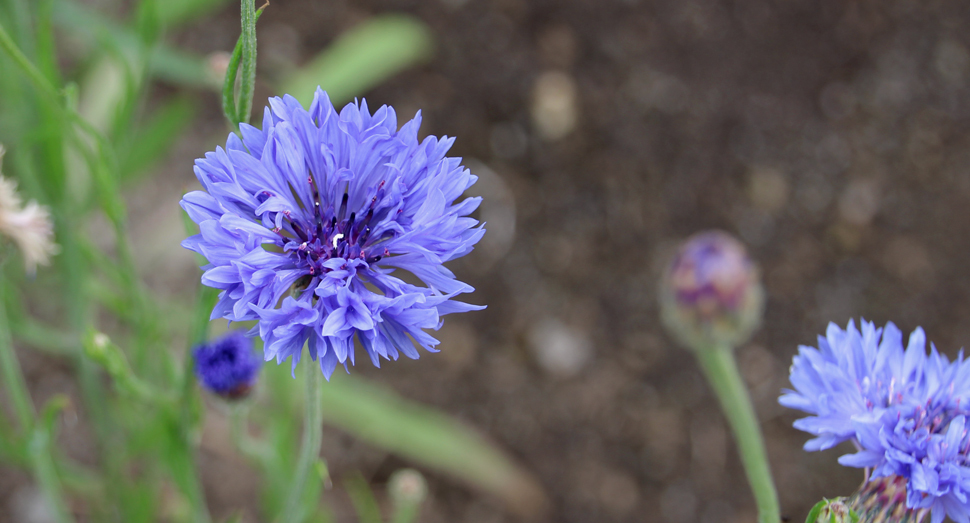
309,223
227,366
905,410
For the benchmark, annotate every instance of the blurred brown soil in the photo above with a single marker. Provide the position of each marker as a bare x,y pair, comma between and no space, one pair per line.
829,135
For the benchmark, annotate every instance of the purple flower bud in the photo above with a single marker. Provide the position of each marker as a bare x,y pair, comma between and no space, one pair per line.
883,500
711,292
227,366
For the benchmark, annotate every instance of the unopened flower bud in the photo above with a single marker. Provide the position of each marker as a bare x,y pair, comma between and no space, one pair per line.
98,347
833,511
228,366
217,64
883,500
100,340
408,486
408,489
711,294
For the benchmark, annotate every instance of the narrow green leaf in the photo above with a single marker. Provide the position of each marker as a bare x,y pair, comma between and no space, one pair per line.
166,63
181,68
362,58
46,48
816,510
428,437
155,138
175,12
148,22
365,504
13,377
44,337
42,454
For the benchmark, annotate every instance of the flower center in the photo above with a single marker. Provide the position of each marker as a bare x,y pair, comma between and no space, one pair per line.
323,233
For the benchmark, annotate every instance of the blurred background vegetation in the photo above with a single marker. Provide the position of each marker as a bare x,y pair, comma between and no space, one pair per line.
831,136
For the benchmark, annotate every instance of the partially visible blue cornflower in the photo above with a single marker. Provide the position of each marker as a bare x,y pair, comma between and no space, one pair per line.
905,410
309,223
227,366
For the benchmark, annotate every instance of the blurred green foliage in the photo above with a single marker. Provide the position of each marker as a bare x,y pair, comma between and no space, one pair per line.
79,117
362,58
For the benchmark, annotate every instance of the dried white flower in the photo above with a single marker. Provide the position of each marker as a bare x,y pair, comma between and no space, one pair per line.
29,226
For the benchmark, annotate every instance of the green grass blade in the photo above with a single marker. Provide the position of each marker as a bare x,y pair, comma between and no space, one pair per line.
428,437
174,12
362,58
156,137
365,504
166,63
816,510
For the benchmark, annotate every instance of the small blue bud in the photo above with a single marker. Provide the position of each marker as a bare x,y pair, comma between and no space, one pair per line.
227,366
711,292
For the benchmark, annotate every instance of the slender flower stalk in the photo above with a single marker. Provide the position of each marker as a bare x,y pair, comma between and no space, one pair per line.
13,377
711,301
37,434
244,104
39,80
252,449
309,449
40,448
722,373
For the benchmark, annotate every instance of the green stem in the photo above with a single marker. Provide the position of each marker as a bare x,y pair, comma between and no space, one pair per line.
20,24
13,377
37,77
247,85
39,446
43,466
229,84
722,373
186,417
43,84
310,447
252,449
74,272
42,461
186,475
46,48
